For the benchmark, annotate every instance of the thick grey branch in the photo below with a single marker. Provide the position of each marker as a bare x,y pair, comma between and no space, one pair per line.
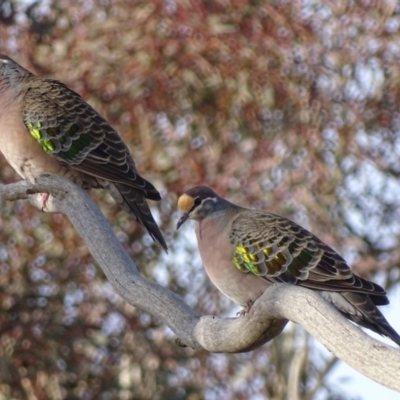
267,317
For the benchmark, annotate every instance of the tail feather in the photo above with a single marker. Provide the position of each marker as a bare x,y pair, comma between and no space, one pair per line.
360,308
134,202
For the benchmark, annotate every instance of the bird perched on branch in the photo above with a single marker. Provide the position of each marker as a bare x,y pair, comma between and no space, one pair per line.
245,251
46,128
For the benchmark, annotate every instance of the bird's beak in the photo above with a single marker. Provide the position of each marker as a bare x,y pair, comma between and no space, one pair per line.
182,220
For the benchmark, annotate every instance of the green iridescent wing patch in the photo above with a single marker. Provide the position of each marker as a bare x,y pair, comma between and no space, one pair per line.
35,131
259,260
68,141
276,248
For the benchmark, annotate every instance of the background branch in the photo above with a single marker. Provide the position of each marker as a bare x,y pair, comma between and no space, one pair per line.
266,319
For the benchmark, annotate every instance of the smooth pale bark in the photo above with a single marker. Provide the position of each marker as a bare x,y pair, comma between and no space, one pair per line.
266,319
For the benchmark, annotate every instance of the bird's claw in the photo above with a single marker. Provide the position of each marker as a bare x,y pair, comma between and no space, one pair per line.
180,343
45,197
246,309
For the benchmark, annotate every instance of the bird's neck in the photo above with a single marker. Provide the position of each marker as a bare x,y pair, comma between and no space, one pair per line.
14,86
220,220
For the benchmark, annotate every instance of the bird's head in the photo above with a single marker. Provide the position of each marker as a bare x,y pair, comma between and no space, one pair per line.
198,203
9,69
5,59
6,63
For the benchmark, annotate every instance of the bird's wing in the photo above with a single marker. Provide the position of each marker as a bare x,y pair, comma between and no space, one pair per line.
279,250
76,135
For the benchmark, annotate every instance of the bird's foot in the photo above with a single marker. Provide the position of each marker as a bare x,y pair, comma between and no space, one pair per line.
246,309
45,197
180,343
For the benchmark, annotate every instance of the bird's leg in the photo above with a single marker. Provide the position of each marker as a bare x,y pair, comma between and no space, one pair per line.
246,309
45,197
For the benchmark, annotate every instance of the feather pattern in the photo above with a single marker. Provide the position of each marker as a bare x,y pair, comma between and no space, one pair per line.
75,134
279,250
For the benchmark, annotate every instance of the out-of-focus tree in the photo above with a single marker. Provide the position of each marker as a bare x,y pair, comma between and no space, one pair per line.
287,106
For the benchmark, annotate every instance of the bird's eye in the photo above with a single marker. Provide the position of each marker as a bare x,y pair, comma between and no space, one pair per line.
197,201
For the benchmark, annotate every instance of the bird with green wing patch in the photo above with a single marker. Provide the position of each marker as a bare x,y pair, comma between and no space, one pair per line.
46,128
245,251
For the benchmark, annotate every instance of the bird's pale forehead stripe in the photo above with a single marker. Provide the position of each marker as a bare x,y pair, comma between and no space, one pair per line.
4,58
185,202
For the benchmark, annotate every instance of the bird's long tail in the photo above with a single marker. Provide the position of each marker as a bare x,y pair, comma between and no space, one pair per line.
134,202
362,310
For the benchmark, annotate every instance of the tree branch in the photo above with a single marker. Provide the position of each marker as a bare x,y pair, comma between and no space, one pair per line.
266,319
